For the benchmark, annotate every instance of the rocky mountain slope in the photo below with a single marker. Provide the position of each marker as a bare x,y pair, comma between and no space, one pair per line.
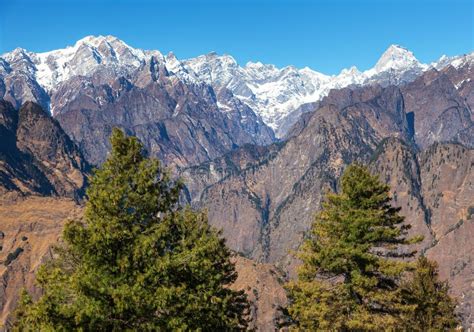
28,229
277,94
42,175
101,82
265,202
265,209
435,189
272,190
179,123
36,156
30,226
264,93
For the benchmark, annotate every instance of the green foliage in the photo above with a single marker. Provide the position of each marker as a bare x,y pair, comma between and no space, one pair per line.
349,279
432,307
138,262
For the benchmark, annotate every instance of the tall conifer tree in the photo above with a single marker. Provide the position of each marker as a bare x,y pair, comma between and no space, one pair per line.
349,280
136,261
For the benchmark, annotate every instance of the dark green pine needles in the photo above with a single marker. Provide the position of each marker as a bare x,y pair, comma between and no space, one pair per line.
137,261
432,309
353,267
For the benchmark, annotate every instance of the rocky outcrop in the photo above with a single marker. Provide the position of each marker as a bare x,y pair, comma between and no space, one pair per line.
263,284
448,188
438,111
198,178
36,155
397,164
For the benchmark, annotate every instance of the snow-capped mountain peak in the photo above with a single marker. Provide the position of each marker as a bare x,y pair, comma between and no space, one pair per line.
396,57
352,71
85,57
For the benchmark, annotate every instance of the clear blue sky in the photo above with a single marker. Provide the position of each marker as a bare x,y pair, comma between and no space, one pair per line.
324,35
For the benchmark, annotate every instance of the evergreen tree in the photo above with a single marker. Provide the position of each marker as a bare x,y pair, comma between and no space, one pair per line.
349,280
137,262
432,307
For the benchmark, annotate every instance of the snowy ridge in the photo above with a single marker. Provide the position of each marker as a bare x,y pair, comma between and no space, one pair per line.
276,93
273,93
83,59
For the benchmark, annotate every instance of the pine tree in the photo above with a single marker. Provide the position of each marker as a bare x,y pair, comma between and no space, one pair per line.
348,280
432,307
137,261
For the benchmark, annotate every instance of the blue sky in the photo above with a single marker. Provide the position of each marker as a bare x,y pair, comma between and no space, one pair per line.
324,35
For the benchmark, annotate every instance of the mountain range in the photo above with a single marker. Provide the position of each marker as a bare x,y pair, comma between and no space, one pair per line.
256,145
276,95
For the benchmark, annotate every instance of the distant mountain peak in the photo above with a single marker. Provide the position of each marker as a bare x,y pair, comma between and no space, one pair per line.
17,53
350,71
398,51
95,40
257,64
396,57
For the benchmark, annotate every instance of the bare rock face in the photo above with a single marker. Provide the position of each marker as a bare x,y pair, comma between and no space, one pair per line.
397,165
179,122
435,189
263,284
198,178
265,210
448,187
438,111
36,155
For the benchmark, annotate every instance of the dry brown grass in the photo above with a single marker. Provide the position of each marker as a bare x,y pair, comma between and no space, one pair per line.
33,224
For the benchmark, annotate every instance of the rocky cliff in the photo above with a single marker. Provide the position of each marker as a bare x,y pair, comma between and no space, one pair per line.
435,189
181,123
36,156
